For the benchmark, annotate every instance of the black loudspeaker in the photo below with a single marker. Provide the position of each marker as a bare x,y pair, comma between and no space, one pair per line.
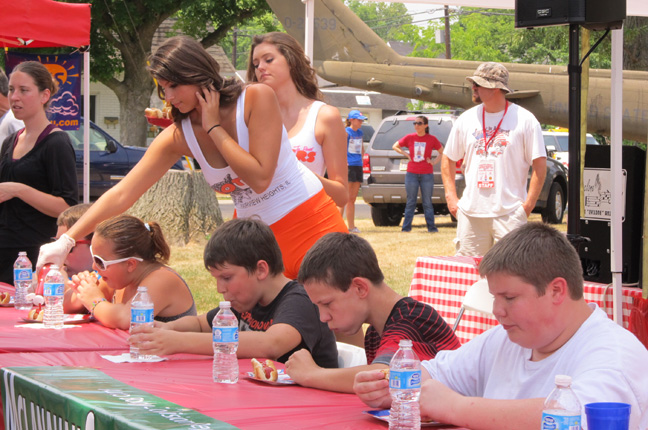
595,255
592,14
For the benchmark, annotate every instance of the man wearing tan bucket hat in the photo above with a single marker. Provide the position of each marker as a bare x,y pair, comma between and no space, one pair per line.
498,142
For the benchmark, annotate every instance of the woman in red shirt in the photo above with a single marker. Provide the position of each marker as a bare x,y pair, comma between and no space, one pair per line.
420,173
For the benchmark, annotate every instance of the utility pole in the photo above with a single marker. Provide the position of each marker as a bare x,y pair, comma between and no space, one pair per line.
234,41
446,12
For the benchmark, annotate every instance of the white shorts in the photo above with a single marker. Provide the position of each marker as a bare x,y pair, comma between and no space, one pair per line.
475,236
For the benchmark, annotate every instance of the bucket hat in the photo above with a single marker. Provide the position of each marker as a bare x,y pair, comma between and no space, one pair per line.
491,75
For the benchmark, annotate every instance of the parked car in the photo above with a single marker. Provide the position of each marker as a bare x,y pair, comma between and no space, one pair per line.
557,144
384,185
110,161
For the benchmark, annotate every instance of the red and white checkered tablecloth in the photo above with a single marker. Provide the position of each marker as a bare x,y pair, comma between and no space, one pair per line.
443,281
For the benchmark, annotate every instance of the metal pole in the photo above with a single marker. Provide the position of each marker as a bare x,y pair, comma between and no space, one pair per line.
309,30
446,12
616,227
573,216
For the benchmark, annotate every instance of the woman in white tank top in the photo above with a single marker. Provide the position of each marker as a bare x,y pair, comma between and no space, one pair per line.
239,134
315,129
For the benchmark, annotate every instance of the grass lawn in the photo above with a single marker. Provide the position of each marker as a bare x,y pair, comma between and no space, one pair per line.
396,251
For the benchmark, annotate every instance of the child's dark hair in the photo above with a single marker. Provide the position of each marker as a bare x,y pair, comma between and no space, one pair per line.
134,238
244,242
337,258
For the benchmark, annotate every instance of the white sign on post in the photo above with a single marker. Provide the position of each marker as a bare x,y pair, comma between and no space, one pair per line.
597,194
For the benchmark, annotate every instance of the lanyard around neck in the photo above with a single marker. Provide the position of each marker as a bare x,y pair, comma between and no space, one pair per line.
496,128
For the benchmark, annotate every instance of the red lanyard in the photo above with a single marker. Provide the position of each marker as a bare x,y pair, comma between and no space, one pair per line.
496,128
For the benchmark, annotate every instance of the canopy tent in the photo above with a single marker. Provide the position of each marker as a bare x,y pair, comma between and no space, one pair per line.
633,8
47,23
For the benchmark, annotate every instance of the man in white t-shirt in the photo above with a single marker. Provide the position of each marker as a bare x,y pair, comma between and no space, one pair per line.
498,142
8,123
499,380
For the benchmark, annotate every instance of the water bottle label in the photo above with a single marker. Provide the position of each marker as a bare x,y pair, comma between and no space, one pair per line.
22,275
560,422
141,316
225,334
53,289
404,379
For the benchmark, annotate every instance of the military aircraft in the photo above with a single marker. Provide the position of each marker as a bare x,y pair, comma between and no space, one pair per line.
347,52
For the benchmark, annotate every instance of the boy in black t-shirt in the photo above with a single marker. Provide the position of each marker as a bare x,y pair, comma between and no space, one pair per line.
342,277
275,315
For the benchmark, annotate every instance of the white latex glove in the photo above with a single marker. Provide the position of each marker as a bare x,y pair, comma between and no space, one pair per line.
55,252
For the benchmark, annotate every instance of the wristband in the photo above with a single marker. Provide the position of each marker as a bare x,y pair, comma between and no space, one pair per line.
213,127
94,305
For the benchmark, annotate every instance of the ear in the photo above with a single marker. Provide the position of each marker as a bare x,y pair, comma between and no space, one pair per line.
360,286
45,96
131,265
558,289
262,270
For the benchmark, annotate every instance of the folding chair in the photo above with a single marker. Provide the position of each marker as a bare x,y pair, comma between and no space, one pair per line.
478,299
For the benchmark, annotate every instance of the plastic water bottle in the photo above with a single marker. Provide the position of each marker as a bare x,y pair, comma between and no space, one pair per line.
53,292
141,315
225,338
405,388
562,410
22,281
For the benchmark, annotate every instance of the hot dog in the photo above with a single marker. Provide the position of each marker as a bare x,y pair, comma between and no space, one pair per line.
4,298
265,370
36,314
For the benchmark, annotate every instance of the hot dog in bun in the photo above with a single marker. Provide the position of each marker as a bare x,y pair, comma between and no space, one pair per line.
36,314
5,298
265,371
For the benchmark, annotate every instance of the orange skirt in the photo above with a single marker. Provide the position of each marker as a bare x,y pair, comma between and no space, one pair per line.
298,230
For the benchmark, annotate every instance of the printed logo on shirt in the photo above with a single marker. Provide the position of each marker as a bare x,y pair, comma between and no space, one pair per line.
305,154
239,191
496,146
248,323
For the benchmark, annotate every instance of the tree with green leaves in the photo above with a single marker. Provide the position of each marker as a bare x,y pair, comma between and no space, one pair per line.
490,35
121,38
239,39
386,19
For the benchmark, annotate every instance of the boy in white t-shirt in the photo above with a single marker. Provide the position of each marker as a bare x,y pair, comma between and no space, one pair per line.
499,380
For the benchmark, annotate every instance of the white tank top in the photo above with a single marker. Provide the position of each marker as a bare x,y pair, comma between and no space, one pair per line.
292,183
306,148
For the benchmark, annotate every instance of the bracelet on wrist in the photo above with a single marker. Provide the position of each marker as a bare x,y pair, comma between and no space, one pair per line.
213,127
94,305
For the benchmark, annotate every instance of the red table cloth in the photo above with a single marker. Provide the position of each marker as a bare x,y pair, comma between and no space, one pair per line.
186,380
443,281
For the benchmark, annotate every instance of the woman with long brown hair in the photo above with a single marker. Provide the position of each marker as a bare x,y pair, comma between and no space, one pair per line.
236,134
314,128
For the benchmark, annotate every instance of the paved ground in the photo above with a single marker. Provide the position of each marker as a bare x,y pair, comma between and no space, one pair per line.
363,210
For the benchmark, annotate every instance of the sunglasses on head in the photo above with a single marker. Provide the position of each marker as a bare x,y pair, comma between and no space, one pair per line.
419,123
103,264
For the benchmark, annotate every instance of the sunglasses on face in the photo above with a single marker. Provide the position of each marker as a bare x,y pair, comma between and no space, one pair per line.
418,123
103,264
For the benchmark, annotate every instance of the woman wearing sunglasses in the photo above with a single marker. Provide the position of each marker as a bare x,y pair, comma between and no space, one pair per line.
420,173
128,253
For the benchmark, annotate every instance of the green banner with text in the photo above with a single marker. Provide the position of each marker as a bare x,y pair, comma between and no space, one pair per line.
71,398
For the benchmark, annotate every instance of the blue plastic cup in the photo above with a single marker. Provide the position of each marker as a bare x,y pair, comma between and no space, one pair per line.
608,416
